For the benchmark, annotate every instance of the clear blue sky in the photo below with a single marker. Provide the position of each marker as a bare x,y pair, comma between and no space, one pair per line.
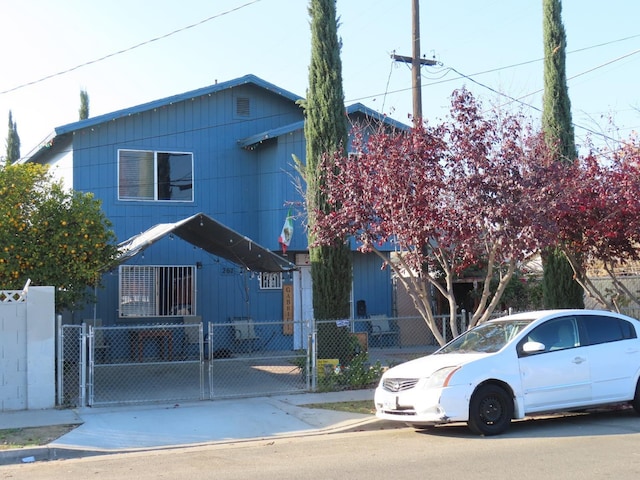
496,43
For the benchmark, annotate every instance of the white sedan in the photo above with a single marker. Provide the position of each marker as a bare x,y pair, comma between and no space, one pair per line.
515,366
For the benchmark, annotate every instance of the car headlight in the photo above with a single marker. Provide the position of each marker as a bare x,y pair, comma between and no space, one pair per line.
441,378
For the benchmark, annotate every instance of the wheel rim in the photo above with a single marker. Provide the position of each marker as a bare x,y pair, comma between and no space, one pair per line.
491,410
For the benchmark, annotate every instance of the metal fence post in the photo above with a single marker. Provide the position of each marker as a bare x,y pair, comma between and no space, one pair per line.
86,397
210,346
201,358
312,348
84,385
60,379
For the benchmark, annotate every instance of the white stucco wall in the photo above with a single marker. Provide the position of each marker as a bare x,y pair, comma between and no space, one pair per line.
27,349
61,167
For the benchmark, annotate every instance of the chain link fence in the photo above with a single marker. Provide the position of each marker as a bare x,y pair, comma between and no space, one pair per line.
353,353
234,358
605,286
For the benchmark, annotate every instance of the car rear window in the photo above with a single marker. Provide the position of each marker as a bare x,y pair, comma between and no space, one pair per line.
607,329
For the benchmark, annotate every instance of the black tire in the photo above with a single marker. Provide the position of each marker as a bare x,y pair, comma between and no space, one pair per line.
490,410
635,403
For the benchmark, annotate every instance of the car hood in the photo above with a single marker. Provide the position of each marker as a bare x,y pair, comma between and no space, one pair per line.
425,366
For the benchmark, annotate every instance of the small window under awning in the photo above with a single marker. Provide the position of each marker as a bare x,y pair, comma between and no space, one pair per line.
212,236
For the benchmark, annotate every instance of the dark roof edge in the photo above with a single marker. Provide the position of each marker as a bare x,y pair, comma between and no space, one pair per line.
351,109
218,87
273,133
381,117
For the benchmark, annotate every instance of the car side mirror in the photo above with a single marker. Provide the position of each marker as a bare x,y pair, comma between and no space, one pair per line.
530,348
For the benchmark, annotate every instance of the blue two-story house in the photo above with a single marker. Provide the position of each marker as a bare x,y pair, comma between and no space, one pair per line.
205,170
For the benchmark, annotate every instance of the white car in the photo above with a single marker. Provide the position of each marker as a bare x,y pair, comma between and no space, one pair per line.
516,366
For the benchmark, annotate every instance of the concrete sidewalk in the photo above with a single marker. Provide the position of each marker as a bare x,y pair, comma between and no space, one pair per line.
134,428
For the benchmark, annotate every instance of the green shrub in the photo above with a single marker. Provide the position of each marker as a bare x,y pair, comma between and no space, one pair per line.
358,374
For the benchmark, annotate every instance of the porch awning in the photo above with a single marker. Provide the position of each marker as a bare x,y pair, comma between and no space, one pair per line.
213,237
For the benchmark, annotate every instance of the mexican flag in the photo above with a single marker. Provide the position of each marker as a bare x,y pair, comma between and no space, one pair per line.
287,232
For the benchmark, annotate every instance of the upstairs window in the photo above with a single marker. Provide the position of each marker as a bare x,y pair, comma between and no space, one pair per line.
155,176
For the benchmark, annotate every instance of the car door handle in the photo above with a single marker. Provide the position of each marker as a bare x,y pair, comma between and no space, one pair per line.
579,360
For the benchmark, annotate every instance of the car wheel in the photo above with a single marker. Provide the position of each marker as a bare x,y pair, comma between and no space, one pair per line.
636,399
490,410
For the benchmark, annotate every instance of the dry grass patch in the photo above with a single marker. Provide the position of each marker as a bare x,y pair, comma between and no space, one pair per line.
11,438
361,406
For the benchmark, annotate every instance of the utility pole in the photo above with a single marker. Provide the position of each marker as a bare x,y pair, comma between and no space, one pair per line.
416,62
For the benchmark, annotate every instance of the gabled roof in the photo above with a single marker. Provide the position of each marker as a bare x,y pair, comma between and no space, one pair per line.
382,118
351,109
218,87
248,142
204,232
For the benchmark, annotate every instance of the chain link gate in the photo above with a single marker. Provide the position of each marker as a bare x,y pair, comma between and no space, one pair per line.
249,358
143,364
115,365
71,366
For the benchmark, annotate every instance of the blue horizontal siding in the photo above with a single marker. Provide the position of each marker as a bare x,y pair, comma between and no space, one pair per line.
247,189
230,183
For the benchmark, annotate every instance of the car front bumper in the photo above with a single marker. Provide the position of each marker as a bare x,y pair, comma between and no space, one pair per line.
424,406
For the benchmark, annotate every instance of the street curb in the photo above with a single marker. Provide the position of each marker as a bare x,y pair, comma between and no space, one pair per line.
52,453
43,454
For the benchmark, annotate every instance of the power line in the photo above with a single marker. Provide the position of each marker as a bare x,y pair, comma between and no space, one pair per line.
147,42
517,100
622,57
514,65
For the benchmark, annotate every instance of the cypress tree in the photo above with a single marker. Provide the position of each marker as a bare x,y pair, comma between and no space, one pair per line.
83,112
13,142
326,133
560,290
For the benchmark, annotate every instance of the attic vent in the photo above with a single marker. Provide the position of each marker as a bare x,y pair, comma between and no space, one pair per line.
243,107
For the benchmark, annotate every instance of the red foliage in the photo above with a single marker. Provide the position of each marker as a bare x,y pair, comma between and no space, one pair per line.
479,191
462,188
600,215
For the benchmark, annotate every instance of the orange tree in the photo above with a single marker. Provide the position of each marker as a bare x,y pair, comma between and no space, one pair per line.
51,236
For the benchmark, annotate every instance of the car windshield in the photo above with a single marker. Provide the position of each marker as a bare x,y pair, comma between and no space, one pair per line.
486,338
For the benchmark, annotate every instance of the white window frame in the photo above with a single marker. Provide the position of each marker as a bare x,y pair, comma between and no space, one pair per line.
270,281
156,291
136,191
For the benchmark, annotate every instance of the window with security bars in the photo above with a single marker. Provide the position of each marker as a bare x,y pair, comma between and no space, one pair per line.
155,176
270,281
157,291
